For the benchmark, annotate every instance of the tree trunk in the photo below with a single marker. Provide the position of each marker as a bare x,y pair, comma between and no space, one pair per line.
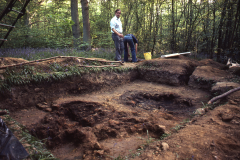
213,32
155,30
220,30
127,20
173,29
151,7
190,28
26,23
207,31
228,29
86,23
27,18
235,24
186,16
75,18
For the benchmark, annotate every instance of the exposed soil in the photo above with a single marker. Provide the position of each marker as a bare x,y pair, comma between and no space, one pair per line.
108,114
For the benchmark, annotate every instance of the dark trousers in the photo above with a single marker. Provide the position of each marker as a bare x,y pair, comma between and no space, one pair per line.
119,46
128,40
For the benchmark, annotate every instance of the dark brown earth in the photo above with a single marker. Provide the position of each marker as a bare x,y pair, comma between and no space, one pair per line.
110,115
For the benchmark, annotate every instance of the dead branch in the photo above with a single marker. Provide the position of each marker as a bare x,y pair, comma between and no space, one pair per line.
223,95
40,60
99,66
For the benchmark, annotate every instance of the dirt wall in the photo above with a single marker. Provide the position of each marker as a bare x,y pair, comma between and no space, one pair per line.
29,95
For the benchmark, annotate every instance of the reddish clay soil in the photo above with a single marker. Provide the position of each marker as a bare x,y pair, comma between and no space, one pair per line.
145,113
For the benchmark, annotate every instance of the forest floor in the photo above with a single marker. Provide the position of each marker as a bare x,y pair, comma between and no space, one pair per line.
147,112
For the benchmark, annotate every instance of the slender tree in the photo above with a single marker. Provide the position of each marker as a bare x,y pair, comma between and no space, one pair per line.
75,18
236,24
86,23
220,36
173,29
213,31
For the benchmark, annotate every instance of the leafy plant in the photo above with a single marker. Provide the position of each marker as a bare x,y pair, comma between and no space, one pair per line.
165,135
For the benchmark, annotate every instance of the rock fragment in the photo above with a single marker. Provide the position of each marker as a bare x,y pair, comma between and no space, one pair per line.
37,89
44,106
165,146
99,152
97,146
48,109
200,111
161,128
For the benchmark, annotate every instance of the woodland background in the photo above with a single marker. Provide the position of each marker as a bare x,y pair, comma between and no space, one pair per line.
208,27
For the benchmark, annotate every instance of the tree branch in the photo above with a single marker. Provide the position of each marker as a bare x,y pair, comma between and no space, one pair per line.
223,95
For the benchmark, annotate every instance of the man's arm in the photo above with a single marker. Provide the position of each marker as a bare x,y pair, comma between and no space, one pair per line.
120,35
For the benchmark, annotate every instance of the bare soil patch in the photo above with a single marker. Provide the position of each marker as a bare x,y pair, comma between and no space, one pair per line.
107,115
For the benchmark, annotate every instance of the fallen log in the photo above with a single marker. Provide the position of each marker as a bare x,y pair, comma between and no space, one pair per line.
223,95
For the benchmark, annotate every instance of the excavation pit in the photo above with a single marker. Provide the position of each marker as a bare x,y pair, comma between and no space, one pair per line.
118,115
112,113
159,101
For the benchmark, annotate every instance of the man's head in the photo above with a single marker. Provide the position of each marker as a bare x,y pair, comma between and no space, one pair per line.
118,13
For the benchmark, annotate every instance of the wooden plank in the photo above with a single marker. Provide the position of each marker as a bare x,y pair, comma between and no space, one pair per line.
185,53
174,54
170,55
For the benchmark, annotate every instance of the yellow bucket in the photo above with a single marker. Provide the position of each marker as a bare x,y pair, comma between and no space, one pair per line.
147,56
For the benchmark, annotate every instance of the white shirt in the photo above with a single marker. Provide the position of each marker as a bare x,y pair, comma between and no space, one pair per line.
116,24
